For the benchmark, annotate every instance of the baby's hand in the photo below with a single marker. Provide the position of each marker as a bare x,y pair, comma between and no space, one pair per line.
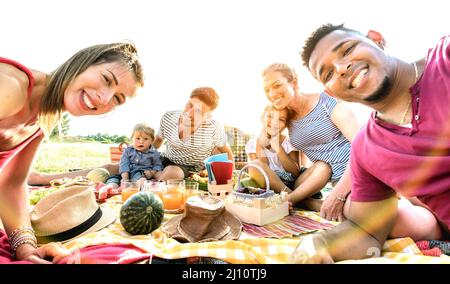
148,173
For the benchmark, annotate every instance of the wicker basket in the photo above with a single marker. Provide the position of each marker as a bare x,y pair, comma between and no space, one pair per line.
251,196
258,212
115,152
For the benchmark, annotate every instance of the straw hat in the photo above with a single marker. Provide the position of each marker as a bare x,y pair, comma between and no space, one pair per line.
68,213
205,219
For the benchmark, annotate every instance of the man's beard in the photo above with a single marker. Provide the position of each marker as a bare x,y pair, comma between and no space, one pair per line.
382,92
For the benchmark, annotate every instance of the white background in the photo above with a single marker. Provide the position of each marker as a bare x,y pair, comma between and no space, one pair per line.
192,43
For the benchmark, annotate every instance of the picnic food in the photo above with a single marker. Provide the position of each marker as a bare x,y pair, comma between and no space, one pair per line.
202,181
248,182
142,213
199,179
79,180
103,191
37,194
98,175
251,190
255,205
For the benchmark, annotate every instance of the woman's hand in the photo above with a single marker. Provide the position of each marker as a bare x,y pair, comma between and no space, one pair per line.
333,208
263,140
275,143
42,255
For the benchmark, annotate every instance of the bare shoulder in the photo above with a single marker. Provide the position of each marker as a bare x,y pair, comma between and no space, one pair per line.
13,90
342,109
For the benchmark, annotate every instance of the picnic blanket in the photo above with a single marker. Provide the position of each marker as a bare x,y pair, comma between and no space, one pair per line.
434,248
289,226
247,250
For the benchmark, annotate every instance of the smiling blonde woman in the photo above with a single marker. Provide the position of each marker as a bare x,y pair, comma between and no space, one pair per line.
93,81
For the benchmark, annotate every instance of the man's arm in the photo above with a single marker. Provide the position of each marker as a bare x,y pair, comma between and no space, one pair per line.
361,236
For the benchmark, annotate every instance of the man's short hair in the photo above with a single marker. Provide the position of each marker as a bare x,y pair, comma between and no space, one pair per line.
316,36
207,95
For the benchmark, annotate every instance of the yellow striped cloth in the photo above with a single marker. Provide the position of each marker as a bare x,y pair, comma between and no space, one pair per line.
246,250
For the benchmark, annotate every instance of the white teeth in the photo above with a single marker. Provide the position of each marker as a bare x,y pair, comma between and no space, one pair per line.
277,101
358,78
88,101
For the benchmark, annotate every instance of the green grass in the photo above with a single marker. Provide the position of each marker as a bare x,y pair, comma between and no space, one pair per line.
61,157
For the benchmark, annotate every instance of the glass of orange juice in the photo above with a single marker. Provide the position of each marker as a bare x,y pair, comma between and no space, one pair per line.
128,189
190,189
154,186
173,196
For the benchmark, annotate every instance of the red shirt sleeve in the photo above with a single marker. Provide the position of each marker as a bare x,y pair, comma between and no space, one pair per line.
366,187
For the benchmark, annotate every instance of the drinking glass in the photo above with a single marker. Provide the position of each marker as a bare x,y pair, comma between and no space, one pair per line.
190,189
173,196
128,189
156,187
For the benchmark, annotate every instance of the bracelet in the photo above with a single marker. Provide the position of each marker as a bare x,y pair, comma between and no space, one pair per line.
26,241
342,199
21,230
18,243
17,240
21,236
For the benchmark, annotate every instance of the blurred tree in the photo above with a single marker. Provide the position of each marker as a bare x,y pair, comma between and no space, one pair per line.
62,128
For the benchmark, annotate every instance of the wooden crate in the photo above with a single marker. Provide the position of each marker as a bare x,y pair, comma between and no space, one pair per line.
220,190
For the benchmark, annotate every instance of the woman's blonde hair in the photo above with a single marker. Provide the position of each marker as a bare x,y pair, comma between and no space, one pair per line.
52,100
143,128
284,69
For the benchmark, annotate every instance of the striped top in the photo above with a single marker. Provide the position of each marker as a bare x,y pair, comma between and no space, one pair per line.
319,138
193,151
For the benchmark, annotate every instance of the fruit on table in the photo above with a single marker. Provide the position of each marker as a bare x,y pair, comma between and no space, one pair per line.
199,179
245,182
142,213
37,194
98,175
251,190
79,180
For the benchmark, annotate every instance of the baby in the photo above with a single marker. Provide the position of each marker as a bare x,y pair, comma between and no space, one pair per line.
140,161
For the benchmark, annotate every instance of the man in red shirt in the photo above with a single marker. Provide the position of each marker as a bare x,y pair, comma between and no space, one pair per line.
403,149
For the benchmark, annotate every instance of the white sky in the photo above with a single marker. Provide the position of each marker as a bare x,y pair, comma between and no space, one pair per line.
191,43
